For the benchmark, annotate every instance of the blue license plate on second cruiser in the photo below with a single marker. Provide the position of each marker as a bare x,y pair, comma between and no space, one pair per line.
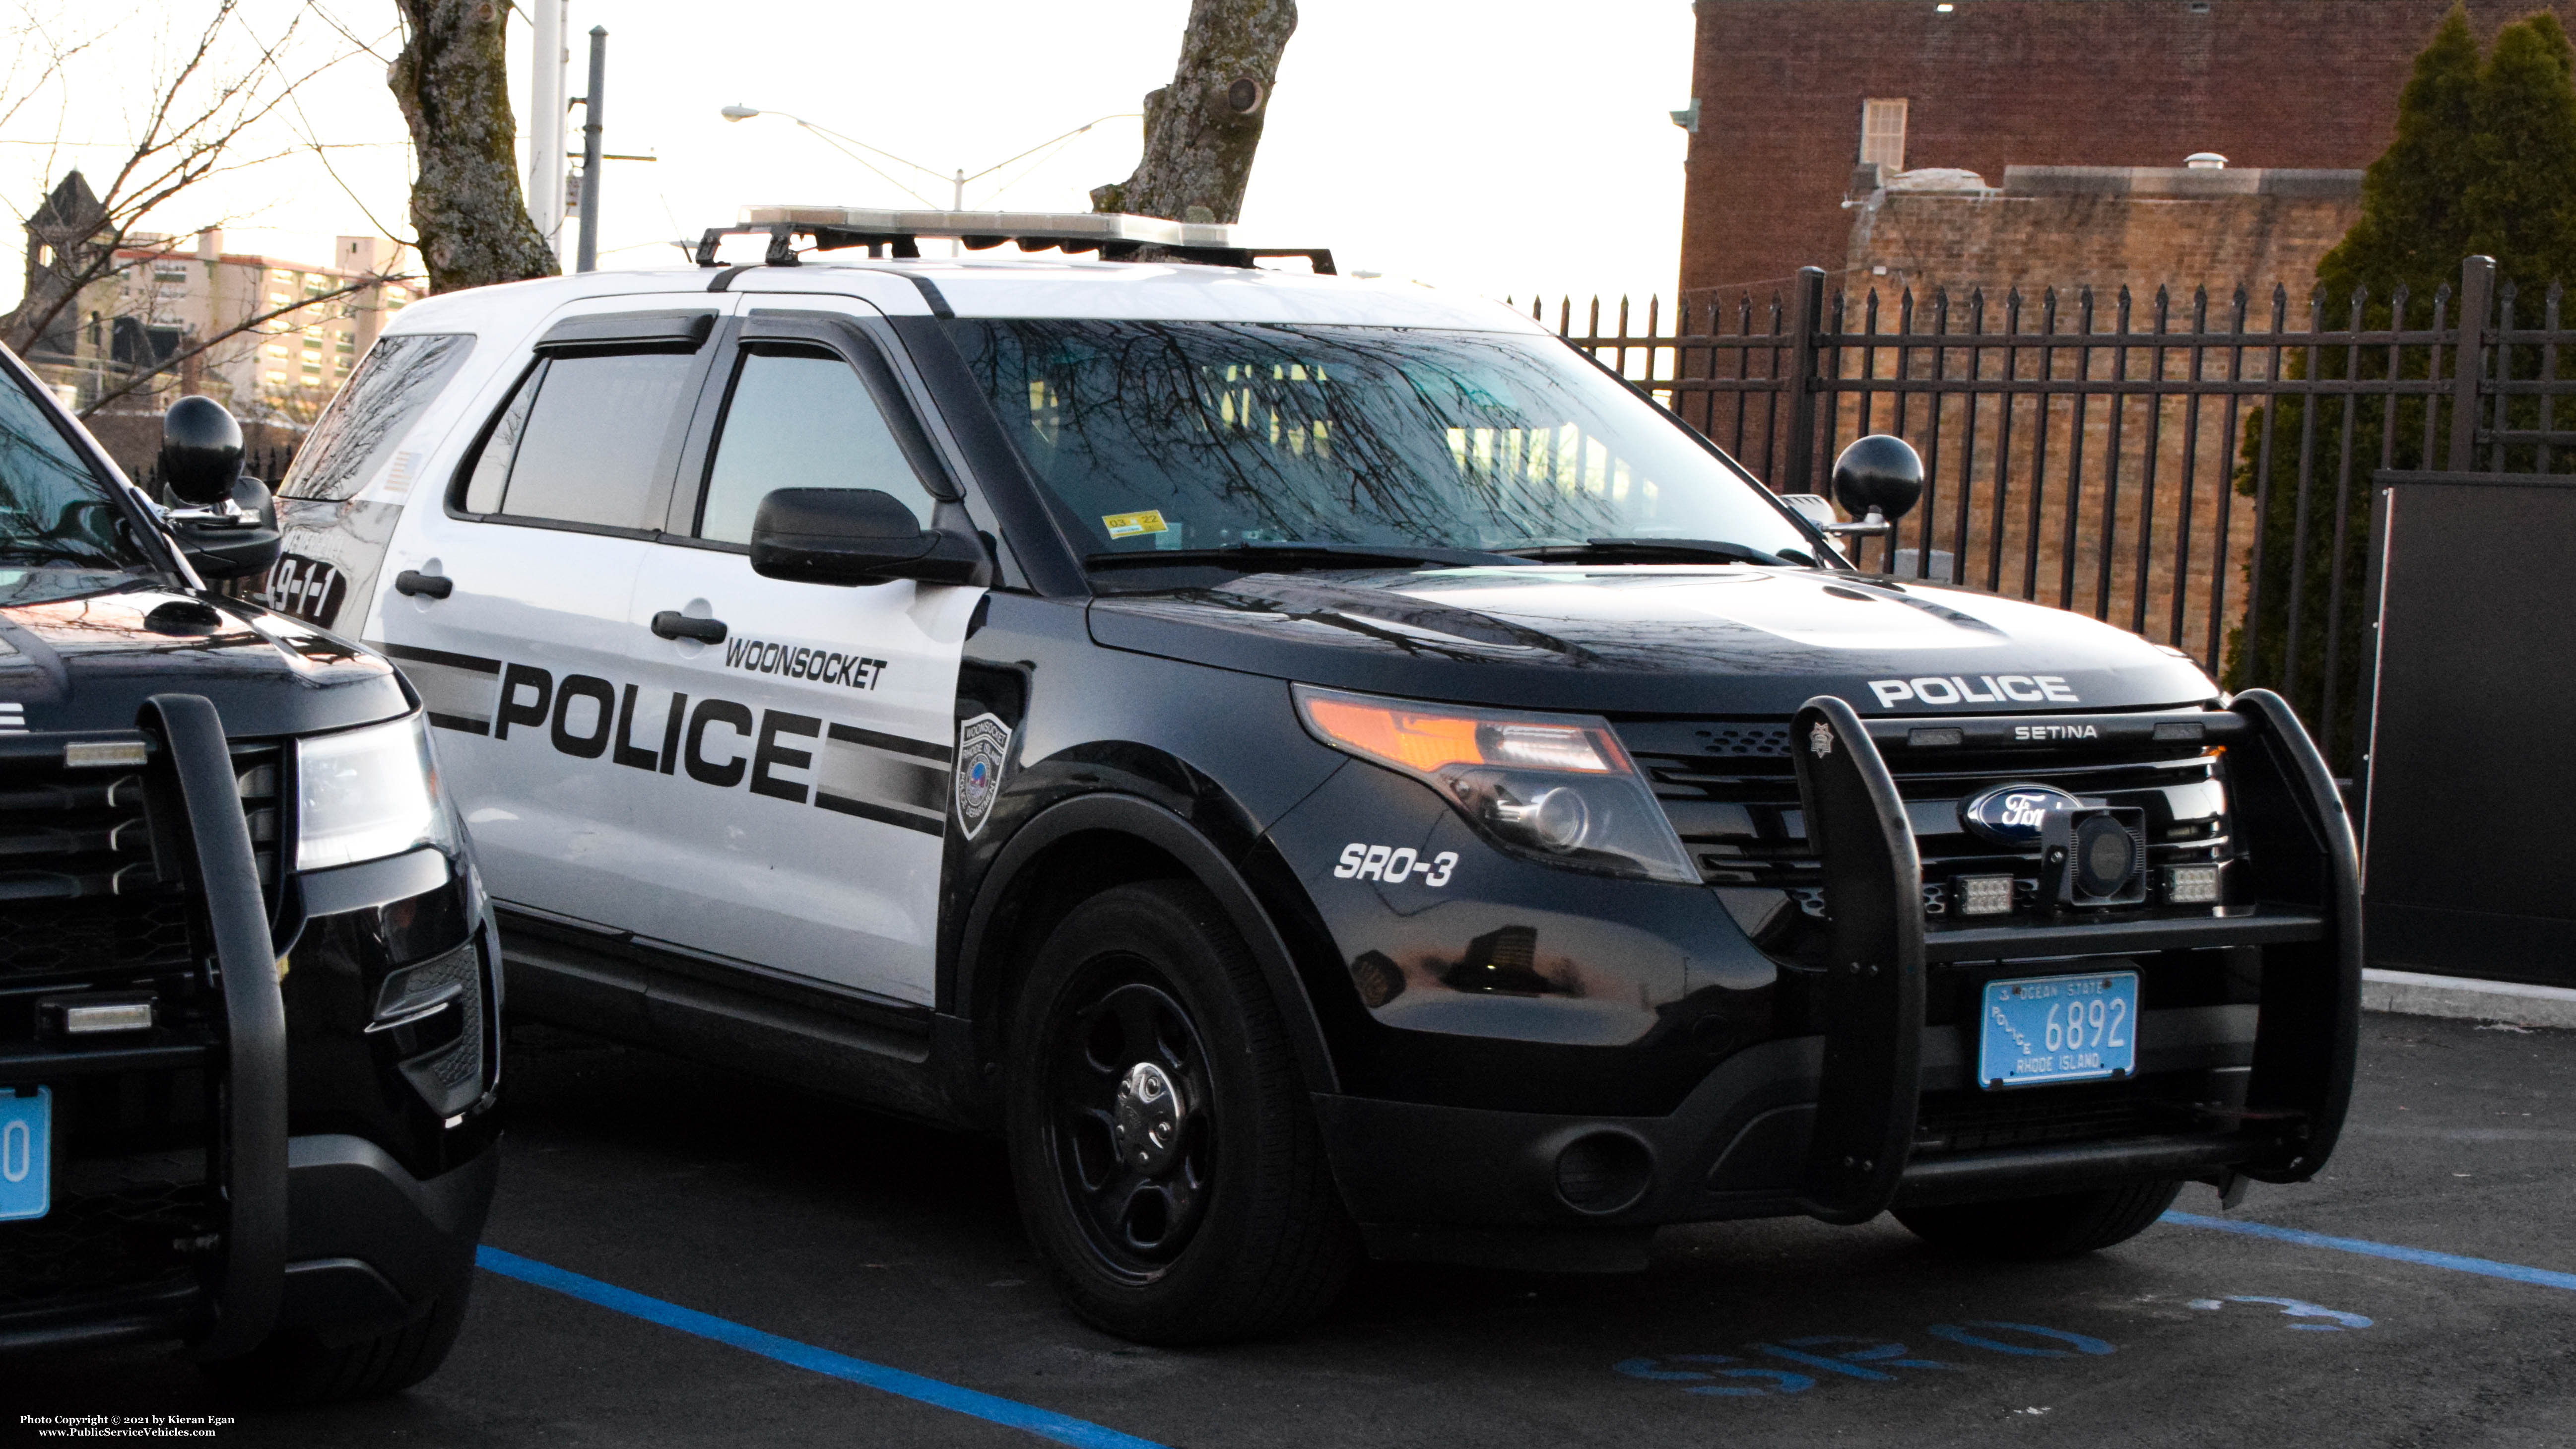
26,1152
2059,1029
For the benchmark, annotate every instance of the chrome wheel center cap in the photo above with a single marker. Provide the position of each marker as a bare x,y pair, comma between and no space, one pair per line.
1148,1118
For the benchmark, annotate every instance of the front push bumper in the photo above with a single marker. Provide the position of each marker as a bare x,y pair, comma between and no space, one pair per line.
1835,1126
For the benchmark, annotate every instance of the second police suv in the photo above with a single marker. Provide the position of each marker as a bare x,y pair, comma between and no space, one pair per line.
1323,767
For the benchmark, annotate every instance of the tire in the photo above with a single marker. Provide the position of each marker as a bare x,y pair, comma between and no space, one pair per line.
2032,1229
1217,1220
305,1366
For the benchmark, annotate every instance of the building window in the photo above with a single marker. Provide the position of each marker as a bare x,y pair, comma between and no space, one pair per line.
1882,133
277,349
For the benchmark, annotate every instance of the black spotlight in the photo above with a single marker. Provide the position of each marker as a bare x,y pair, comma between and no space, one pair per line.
2096,856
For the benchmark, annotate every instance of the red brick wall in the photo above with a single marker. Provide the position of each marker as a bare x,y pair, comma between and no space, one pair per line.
1925,241
2270,83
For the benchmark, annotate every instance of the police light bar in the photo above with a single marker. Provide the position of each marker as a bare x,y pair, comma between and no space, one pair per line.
1115,237
995,227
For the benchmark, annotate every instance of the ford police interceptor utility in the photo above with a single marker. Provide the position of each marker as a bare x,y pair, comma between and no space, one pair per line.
248,985
1321,766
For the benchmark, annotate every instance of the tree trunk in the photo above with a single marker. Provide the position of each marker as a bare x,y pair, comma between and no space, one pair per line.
1201,130
452,80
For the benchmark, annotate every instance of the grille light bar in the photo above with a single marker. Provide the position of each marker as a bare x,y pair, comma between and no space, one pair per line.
102,1017
104,754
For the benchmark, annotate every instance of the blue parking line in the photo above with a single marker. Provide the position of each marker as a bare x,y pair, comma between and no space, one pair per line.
2483,1267
1044,1423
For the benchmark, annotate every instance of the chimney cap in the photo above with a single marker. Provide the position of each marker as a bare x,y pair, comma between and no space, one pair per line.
2205,161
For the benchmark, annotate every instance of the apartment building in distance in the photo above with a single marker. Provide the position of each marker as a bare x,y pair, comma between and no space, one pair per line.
269,337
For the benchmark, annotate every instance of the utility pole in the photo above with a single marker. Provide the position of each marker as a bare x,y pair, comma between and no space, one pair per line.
548,59
588,258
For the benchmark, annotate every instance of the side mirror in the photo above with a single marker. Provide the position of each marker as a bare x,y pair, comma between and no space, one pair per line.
855,536
228,530
1878,479
201,451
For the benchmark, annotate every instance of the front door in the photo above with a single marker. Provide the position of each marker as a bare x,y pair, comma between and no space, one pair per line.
809,747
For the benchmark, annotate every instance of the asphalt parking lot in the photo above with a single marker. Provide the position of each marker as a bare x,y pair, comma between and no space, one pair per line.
690,1257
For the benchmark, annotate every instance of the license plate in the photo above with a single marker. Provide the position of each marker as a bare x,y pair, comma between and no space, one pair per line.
26,1153
2059,1029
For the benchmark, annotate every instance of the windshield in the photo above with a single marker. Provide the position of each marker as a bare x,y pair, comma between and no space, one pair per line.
54,512
1154,436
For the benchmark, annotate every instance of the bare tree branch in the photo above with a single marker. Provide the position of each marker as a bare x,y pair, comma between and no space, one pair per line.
204,104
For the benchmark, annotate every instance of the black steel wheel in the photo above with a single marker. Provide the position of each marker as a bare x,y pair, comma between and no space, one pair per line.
1130,1118
1166,1158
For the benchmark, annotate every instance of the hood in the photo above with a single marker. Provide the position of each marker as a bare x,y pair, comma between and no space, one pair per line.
83,651
1722,640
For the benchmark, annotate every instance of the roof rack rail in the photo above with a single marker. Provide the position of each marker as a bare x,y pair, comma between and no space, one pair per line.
1116,238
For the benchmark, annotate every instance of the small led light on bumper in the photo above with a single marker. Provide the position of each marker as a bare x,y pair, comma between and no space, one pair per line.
1556,788
2191,885
1983,895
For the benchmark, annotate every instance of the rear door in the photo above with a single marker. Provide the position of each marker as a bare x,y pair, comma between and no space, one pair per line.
516,631
813,742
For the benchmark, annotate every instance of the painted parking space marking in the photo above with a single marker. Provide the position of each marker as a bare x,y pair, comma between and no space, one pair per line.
1045,1423
2292,1307
2483,1267
1870,1362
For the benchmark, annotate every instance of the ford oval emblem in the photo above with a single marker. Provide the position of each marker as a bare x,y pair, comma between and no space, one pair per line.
2011,814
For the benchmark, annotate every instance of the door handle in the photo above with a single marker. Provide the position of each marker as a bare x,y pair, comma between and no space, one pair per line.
413,581
672,624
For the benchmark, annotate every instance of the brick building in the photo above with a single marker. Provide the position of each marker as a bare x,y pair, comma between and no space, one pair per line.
1791,94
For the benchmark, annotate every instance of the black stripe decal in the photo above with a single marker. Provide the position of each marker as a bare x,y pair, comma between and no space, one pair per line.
460,723
440,656
893,744
926,824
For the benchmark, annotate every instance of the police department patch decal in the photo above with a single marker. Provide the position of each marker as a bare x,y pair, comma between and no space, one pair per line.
982,744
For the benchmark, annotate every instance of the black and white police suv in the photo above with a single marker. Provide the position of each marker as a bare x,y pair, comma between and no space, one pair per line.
1321,766
248,986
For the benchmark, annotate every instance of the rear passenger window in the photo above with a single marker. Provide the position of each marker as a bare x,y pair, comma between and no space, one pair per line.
801,418
585,440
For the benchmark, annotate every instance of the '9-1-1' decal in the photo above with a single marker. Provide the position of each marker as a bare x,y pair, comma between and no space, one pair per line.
1394,865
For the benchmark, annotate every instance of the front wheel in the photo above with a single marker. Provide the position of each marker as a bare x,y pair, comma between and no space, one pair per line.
1167,1161
2030,1229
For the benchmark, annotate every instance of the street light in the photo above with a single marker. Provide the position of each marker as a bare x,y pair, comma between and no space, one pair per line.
956,179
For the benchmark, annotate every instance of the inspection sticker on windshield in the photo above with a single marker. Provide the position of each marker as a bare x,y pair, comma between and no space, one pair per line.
2059,1029
1128,525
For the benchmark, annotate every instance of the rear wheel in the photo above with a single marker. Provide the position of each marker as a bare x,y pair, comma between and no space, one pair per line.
1166,1157
2032,1228
306,1366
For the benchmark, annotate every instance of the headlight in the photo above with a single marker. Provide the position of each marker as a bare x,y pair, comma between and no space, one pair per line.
1555,787
365,794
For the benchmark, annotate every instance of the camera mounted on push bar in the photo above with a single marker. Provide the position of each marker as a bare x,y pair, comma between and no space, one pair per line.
1114,237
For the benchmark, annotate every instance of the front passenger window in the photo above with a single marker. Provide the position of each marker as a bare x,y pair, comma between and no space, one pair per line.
801,418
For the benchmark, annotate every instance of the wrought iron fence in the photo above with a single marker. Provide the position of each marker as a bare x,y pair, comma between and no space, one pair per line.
2194,469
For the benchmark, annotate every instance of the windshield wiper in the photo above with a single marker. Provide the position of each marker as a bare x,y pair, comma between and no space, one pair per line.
1262,557
1653,550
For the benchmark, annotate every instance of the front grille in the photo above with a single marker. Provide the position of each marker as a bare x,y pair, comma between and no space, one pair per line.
1730,788
68,835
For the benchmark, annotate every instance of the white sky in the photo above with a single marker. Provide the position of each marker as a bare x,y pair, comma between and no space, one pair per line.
1501,148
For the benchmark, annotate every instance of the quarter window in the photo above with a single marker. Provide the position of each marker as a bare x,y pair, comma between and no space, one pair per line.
356,435
801,418
584,441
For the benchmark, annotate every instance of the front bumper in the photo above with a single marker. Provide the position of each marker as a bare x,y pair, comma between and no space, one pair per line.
1880,1109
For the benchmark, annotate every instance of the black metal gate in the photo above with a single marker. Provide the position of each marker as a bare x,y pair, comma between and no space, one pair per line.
2194,469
